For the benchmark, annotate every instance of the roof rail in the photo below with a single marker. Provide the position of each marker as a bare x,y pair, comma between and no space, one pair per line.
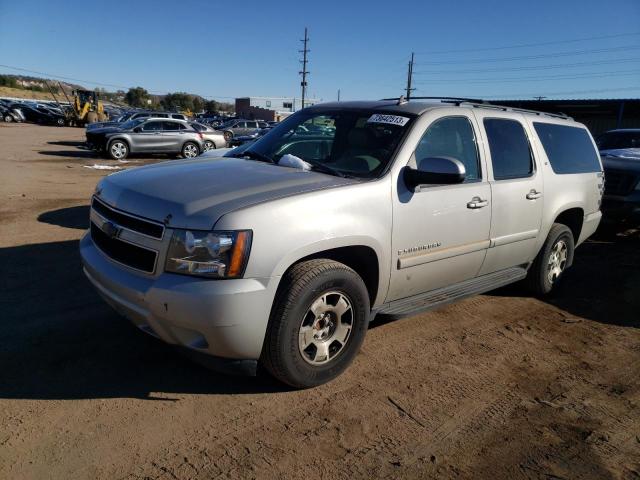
476,103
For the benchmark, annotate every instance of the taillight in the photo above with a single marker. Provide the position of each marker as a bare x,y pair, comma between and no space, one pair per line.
201,136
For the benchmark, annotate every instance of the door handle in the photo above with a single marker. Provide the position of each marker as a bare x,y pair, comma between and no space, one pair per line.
477,202
533,194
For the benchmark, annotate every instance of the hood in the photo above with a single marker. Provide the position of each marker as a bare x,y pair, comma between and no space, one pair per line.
622,159
103,130
196,193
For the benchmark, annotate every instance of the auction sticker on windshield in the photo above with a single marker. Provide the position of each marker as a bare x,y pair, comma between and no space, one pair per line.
391,119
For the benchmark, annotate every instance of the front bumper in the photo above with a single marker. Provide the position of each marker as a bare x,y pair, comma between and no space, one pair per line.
220,318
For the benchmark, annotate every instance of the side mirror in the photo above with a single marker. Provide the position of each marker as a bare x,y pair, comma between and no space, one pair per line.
435,171
137,130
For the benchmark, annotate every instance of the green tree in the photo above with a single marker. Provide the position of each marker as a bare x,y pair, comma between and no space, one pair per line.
198,104
177,101
137,97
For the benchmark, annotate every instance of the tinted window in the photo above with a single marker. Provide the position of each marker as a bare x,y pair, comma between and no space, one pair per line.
613,140
569,149
252,124
152,126
178,116
171,126
451,137
509,146
141,115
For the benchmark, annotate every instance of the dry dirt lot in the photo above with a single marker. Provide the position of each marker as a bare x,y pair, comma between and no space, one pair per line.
499,386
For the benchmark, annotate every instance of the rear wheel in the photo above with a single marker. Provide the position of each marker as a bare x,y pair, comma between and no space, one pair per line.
318,323
118,150
554,258
190,150
228,135
8,118
60,122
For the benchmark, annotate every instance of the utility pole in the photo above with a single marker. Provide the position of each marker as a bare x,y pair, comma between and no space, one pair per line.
409,78
338,94
304,71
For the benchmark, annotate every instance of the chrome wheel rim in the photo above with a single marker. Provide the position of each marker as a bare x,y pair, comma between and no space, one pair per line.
325,328
118,150
190,151
208,145
557,261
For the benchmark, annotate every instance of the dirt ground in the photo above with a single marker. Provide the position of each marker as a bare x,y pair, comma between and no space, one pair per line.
499,386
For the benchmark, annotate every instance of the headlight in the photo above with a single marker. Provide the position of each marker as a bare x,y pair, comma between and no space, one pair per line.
209,254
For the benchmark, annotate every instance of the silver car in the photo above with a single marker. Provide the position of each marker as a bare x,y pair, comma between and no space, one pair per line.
234,128
212,137
283,251
148,135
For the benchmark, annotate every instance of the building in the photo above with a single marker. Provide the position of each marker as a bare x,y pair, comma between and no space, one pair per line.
269,108
599,115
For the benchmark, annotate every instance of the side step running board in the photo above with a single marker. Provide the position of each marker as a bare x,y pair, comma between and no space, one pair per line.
453,293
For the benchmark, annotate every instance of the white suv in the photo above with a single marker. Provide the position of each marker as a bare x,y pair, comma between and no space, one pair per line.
282,251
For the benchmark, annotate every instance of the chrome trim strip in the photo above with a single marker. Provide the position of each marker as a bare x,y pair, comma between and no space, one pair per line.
513,237
142,219
433,256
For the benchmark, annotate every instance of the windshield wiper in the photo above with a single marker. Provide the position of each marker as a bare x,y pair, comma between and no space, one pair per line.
321,167
255,156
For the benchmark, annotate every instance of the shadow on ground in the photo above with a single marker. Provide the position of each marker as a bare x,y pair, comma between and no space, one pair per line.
59,340
72,217
68,143
70,153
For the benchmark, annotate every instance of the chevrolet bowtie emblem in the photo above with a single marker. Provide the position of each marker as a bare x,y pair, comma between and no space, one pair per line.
110,229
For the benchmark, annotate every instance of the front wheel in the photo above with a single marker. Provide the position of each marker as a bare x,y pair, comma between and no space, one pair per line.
553,259
60,122
8,118
228,135
118,150
318,323
190,150
209,145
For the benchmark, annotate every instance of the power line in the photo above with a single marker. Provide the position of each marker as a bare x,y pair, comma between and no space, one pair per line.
534,57
553,94
530,78
526,45
71,79
530,67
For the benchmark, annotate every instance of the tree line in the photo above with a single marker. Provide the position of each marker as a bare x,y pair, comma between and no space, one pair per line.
140,98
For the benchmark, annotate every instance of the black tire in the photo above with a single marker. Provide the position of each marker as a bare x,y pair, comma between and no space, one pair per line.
541,279
302,286
60,122
118,149
8,118
228,135
190,150
209,145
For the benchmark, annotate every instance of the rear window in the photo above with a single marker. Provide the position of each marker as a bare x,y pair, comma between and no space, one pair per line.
569,149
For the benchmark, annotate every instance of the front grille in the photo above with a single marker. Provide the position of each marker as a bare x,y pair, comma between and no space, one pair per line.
136,224
123,252
617,182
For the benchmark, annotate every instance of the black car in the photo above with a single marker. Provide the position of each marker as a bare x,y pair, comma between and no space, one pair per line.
41,115
620,153
9,114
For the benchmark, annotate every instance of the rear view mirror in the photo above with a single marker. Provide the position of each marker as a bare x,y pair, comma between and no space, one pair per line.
435,171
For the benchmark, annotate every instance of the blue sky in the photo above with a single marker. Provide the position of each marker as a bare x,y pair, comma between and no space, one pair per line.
228,49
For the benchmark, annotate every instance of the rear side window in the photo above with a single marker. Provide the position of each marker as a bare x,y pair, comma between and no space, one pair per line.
152,126
171,126
569,149
509,146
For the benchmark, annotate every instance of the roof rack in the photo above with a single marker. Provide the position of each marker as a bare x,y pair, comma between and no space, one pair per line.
479,103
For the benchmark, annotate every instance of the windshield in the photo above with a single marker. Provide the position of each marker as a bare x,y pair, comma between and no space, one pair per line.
123,118
357,143
132,123
615,140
